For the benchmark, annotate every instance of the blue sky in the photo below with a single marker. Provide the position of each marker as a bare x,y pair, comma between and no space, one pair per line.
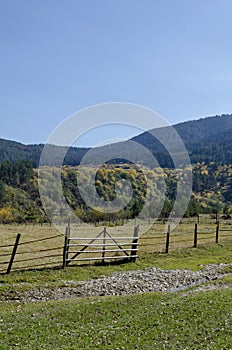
59,56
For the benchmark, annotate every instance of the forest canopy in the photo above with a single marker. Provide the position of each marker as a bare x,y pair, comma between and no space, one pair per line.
20,199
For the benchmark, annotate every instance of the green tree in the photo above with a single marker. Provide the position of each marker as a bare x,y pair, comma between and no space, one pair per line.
2,194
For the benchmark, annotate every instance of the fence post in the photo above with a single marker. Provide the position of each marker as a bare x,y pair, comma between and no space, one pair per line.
104,247
168,239
13,253
66,246
217,232
195,237
134,246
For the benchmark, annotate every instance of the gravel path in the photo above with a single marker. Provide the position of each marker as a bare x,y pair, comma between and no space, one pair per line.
122,283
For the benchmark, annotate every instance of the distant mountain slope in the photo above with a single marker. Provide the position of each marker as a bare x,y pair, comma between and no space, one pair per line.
208,139
218,138
192,132
15,151
196,130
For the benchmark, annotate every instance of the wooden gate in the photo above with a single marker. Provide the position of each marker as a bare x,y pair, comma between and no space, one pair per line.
104,247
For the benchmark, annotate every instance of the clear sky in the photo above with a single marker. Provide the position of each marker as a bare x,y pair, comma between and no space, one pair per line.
59,56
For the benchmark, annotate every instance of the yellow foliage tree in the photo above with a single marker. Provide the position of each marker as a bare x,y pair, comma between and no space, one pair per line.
6,215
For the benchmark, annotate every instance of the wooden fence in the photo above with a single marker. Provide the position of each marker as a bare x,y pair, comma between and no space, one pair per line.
103,247
193,236
29,254
76,248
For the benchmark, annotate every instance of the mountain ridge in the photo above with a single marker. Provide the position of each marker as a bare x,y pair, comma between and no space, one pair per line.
207,138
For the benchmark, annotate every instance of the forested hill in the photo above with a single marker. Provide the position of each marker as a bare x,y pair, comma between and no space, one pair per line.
208,139
15,151
194,132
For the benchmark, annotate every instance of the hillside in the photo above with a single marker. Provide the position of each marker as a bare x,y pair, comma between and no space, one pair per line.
16,151
208,139
20,199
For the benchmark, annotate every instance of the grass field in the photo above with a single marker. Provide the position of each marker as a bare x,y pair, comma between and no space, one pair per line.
151,321
181,320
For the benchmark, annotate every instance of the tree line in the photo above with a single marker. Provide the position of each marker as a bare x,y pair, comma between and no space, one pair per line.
20,200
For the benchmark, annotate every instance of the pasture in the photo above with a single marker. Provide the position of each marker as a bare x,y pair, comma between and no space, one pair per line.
185,320
43,246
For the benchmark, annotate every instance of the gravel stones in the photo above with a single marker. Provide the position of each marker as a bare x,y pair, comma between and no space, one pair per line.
123,283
